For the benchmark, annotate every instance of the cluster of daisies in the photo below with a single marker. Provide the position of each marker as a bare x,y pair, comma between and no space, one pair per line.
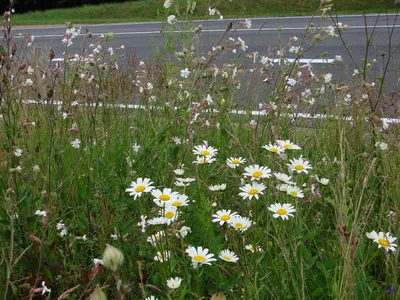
254,176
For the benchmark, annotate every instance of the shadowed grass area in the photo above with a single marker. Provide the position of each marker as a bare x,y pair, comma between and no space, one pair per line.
150,10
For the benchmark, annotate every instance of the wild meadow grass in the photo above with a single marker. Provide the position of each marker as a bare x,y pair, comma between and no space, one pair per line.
150,10
137,181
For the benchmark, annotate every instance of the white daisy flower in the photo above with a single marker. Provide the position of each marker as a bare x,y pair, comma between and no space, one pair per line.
234,162
252,250
239,223
161,198
200,256
170,213
179,171
282,187
287,145
323,181
157,221
299,165
295,191
174,283
162,256
257,172
384,240
252,190
204,160
228,256
155,238
205,150
151,298
182,200
217,187
283,177
142,185
223,216
274,148
282,210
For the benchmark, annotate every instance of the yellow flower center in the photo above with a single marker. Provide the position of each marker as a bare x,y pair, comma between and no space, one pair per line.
273,149
299,167
235,161
281,211
169,215
383,243
140,188
253,192
199,258
293,193
238,225
257,174
164,197
205,152
287,146
225,217
227,258
177,203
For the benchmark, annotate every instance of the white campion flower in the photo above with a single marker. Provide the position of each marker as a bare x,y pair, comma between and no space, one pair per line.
171,19
18,152
30,70
382,145
41,213
45,288
328,77
28,82
211,11
185,73
76,143
168,3
242,45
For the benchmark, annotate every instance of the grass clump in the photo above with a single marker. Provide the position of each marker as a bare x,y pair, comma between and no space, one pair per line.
180,177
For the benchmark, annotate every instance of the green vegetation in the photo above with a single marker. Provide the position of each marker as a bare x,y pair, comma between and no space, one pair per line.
85,174
149,10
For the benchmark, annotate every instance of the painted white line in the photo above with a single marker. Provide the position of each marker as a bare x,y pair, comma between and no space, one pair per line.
210,30
275,60
234,111
198,21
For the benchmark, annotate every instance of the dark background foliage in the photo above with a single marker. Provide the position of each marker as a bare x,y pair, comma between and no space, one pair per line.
22,6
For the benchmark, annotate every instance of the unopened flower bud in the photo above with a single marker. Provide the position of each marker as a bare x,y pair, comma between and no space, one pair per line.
36,169
113,258
98,294
218,296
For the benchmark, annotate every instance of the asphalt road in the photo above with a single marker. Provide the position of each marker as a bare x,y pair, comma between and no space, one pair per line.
263,34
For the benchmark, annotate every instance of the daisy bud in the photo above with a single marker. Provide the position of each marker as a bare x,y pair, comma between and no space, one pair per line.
113,258
98,294
218,296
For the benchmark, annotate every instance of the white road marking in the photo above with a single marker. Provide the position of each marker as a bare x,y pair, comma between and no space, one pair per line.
208,30
233,111
276,60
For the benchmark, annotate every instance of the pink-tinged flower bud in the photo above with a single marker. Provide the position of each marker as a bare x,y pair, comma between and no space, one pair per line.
35,239
98,294
113,258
